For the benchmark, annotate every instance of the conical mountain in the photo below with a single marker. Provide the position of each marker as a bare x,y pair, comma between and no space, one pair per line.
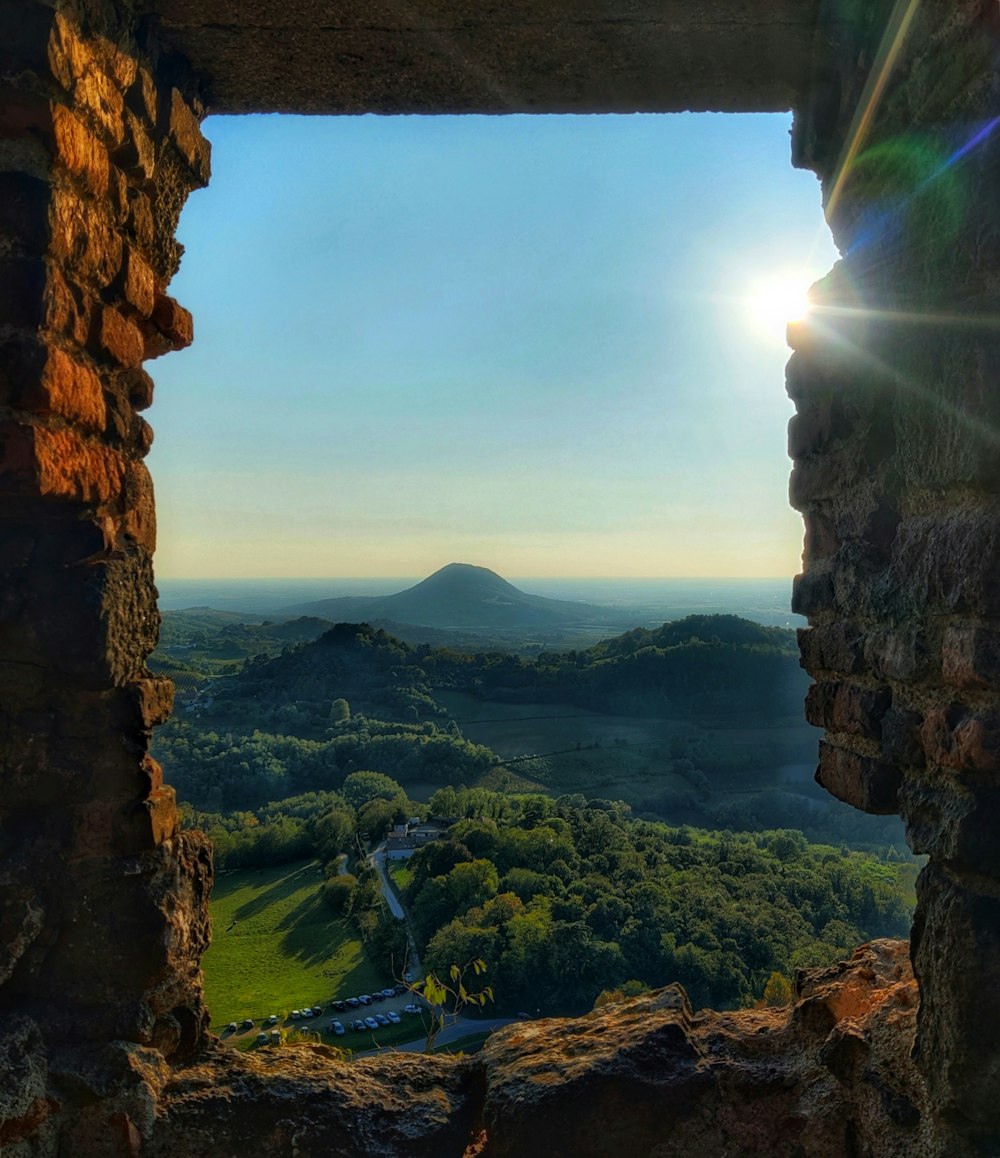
459,595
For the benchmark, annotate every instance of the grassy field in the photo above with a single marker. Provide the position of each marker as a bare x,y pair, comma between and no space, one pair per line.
400,874
276,946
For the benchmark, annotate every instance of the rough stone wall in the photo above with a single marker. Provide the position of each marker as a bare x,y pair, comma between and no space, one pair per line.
102,900
830,1077
897,473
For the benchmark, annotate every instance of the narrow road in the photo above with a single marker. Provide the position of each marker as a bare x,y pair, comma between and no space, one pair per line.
454,1032
378,858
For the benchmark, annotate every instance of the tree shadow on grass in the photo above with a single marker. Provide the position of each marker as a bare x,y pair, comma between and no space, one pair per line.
291,882
312,936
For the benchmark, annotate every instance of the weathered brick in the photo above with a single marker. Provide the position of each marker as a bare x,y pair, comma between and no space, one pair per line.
140,222
962,738
69,309
83,240
834,647
185,132
897,654
812,592
79,152
117,338
970,657
136,283
863,781
949,562
136,155
901,741
138,511
57,463
170,327
140,388
843,706
951,821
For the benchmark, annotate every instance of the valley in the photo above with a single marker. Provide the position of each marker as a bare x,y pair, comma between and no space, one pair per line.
683,736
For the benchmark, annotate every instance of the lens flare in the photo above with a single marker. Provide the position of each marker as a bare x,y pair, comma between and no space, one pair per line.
775,302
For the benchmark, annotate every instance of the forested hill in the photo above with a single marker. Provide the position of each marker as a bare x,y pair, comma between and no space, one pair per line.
717,664
375,673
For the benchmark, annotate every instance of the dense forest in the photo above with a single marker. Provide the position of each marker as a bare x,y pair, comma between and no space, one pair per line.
564,889
567,898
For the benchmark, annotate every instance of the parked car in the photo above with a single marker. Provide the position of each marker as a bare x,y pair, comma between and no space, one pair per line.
389,991
365,999
272,1020
411,1008
371,1023
262,1039
398,990
317,1010
275,1037
307,1013
231,1027
339,1006
358,1026
394,1017
337,1027
296,1013
378,995
353,1002
248,1023
382,1019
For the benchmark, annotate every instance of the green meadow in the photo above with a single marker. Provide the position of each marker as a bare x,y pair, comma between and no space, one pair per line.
277,947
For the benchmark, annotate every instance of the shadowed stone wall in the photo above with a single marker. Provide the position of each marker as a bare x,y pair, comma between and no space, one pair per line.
103,903
896,381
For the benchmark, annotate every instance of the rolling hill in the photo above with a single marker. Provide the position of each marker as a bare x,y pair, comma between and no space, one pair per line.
460,596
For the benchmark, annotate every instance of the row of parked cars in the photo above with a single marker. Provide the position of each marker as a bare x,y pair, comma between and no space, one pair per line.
336,1026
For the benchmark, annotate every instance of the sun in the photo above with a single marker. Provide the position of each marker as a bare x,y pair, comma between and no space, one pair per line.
775,301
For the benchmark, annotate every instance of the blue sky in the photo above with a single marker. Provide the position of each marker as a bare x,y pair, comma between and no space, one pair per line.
527,343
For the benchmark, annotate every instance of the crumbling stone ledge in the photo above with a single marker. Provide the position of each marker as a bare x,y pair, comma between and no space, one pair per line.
828,1077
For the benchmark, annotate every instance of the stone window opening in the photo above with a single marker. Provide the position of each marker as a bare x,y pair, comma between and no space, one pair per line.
898,489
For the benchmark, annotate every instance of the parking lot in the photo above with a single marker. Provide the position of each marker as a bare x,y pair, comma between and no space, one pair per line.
346,1017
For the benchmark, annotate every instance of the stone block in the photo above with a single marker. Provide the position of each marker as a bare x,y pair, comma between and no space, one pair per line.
952,821
822,539
844,706
970,657
79,152
136,283
140,388
956,958
140,222
185,132
836,647
170,327
863,781
82,239
897,654
812,592
137,520
57,463
136,155
901,739
949,562
69,309
116,338
963,738
46,380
